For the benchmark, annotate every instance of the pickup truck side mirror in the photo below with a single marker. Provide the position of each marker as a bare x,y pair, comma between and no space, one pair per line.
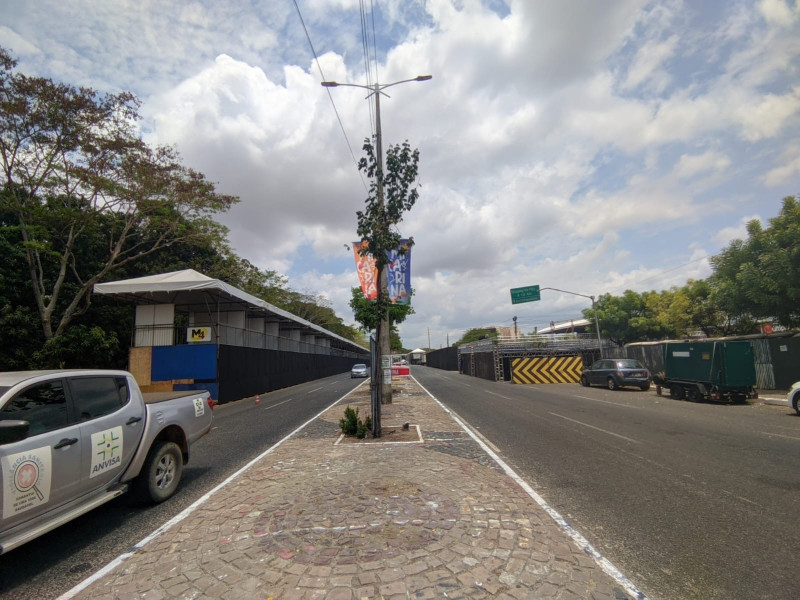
13,431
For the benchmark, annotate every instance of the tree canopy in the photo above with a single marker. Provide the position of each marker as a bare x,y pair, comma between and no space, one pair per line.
753,280
760,277
87,196
84,200
475,334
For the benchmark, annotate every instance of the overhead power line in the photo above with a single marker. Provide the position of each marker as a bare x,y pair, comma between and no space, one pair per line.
657,275
330,96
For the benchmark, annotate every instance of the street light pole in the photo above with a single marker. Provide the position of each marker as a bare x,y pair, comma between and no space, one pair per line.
383,276
596,321
597,327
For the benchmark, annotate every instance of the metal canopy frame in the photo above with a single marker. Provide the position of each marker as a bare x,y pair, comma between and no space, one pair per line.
189,290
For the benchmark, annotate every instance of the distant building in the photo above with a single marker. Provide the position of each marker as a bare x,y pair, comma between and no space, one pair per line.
571,326
503,332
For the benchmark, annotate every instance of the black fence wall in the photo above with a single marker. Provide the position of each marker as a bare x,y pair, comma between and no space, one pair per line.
444,358
785,354
244,372
483,365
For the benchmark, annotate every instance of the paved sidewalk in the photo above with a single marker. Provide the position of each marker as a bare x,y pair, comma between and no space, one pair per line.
315,520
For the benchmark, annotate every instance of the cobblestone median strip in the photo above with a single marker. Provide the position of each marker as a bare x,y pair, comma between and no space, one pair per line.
315,520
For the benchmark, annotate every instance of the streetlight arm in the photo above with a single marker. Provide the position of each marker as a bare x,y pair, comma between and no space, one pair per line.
378,86
566,292
417,78
594,310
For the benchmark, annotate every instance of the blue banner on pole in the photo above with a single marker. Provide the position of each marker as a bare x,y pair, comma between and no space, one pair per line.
399,269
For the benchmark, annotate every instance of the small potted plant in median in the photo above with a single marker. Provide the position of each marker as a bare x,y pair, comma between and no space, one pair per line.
351,425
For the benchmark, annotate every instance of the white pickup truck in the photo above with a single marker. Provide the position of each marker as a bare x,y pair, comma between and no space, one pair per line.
71,440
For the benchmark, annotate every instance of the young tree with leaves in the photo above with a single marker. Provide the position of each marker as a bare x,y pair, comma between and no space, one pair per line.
391,194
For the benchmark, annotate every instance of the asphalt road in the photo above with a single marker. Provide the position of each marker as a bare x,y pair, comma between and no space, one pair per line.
57,561
688,500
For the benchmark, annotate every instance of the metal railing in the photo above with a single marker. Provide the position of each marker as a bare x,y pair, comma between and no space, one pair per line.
510,344
170,335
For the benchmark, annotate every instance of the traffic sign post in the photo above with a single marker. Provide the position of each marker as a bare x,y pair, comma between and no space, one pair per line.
525,294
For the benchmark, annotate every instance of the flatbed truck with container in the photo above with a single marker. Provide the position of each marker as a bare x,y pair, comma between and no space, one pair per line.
708,370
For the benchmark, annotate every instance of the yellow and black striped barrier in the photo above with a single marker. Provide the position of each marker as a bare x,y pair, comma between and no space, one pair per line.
547,369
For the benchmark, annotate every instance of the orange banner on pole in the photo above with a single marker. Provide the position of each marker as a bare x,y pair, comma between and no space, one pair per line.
367,272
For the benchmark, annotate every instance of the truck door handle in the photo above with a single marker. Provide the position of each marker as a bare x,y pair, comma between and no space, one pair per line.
133,420
66,442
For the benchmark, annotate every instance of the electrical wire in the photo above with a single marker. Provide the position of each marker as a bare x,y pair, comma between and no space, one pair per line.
374,42
366,58
330,96
676,268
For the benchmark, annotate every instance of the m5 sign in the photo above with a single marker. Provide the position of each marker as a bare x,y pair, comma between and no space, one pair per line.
525,294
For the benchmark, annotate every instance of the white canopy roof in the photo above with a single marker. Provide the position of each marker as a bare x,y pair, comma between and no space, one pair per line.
192,289
565,325
418,351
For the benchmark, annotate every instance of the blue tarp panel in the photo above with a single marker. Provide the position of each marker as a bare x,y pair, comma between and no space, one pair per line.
184,362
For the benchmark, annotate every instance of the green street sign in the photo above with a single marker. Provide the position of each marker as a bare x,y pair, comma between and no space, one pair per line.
525,294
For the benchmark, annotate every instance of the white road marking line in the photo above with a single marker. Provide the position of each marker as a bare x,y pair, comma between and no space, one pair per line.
607,402
740,498
496,394
278,404
597,428
314,390
788,437
187,511
576,536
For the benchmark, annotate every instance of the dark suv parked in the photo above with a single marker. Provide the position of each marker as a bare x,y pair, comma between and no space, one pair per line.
617,372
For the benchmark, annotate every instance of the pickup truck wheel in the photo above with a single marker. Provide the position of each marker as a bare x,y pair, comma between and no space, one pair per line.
161,472
644,387
796,403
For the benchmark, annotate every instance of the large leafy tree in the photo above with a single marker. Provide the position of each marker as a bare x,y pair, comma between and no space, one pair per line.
475,334
704,310
760,277
85,195
627,318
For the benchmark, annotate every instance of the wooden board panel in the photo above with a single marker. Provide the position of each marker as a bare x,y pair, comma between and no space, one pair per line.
140,362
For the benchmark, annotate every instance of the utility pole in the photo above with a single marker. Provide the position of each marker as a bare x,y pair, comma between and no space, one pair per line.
384,358
429,337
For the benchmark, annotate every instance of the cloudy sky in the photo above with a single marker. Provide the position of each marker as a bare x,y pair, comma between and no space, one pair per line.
588,146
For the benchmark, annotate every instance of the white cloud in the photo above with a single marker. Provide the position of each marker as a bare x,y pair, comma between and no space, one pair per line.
779,12
788,171
596,149
767,115
22,47
647,66
691,165
737,232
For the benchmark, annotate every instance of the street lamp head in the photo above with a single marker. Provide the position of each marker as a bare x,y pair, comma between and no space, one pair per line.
423,77
329,84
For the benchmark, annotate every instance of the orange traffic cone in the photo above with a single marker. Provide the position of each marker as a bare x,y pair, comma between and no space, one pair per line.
258,399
